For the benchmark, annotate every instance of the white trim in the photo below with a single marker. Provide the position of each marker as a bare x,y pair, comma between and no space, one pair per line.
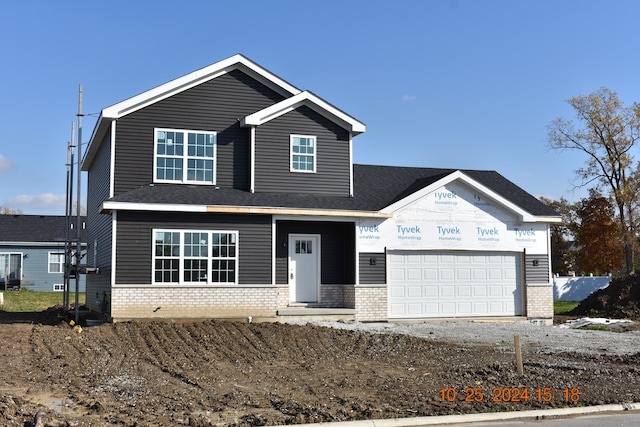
315,153
49,253
195,78
109,206
112,165
318,261
114,230
178,85
274,235
310,100
252,159
350,164
181,257
523,215
185,157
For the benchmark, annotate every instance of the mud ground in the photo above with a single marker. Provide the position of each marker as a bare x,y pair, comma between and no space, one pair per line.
238,374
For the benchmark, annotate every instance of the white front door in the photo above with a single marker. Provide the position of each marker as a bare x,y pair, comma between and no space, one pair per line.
304,271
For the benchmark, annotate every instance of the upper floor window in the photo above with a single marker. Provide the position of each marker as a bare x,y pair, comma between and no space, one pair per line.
185,156
303,153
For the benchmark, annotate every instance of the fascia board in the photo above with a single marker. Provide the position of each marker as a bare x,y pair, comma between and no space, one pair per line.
312,101
53,243
195,78
94,142
180,84
522,215
108,207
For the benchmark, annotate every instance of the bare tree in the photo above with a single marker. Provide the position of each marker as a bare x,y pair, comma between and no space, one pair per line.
607,133
6,211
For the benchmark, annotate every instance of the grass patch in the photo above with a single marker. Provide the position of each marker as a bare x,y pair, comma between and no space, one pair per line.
25,300
563,307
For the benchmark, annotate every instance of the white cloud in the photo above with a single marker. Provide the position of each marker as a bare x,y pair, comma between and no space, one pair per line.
45,203
408,98
5,164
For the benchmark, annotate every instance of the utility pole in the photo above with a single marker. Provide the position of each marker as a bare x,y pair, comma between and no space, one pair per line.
78,218
68,246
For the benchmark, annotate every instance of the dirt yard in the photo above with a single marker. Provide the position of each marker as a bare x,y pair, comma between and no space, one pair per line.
232,373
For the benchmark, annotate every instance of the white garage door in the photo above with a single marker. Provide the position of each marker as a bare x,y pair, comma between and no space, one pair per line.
454,284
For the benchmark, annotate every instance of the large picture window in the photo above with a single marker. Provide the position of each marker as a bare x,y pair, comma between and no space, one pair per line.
303,153
185,156
195,257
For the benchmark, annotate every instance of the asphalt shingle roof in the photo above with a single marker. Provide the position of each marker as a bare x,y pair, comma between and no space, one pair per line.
35,228
375,187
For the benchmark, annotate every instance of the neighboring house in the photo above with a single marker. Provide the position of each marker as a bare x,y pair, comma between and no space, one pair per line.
229,192
32,252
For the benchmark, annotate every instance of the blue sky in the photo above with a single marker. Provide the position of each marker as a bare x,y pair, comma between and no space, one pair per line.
465,84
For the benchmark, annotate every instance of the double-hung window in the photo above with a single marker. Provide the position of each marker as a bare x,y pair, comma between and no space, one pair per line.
303,153
56,262
185,156
195,257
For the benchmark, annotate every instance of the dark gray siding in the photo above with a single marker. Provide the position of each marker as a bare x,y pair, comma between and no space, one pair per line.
337,244
273,173
216,105
537,273
99,225
373,268
135,242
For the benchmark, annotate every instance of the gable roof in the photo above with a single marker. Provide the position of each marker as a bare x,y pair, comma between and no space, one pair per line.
310,100
375,188
188,81
36,229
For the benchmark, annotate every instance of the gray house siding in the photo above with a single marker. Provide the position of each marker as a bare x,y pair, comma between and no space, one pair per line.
99,226
373,268
537,273
135,243
337,244
215,105
272,166
35,267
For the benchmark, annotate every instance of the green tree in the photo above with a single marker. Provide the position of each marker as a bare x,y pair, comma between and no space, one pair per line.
608,131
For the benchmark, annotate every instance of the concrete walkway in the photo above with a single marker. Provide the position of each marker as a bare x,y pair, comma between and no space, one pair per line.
490,417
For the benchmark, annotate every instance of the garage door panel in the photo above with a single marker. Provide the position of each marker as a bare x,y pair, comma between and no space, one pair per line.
397,274
414,274
448,284
430,291
448,274
463,274
414,291
463,291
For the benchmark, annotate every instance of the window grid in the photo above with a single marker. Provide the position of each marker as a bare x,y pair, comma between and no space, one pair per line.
303,153
56,262
195,257
193,165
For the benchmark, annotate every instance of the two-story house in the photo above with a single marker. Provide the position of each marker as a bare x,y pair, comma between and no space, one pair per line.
228,192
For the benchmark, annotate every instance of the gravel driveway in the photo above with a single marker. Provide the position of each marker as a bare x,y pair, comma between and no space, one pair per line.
541,339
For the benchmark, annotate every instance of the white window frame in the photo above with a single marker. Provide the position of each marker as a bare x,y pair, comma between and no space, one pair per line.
8,264
292,154
209,257
185,157
58,287
60,263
